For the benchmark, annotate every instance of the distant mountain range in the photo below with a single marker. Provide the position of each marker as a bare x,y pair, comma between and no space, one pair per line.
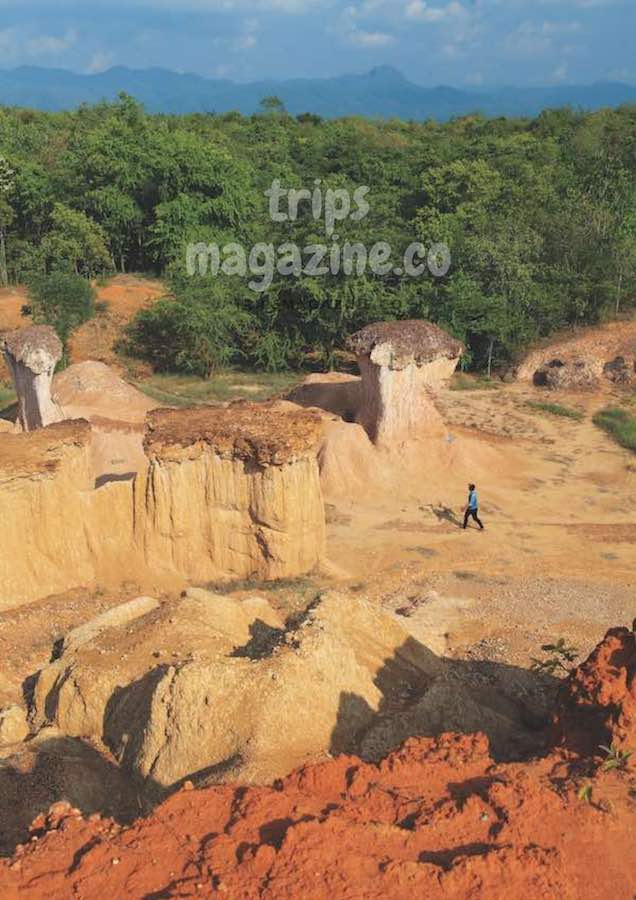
384,92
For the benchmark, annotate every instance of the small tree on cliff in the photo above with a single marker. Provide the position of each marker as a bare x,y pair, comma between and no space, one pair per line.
63,301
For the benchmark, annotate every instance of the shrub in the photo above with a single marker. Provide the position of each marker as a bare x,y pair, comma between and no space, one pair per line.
194,332
62,300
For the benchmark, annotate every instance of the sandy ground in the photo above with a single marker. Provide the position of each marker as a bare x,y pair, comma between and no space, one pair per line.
558,557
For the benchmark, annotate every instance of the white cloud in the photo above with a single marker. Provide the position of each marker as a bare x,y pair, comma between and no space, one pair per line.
99,62
16,43
533,39
370,38
560,73
424,12
347,27
50,44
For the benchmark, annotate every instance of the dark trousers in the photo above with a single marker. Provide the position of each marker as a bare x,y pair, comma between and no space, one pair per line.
472,513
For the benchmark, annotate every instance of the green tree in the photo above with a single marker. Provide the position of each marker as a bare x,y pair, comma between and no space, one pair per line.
62,300
196,330
7,181
75,243
273,106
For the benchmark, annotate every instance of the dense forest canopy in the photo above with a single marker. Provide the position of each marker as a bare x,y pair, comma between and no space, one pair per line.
540,217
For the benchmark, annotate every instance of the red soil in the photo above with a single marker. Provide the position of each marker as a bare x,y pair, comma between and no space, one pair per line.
124,296
435,819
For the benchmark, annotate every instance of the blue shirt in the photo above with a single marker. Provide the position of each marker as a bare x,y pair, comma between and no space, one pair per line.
473,503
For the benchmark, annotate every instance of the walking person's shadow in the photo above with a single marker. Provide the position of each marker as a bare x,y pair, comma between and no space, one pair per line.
445,514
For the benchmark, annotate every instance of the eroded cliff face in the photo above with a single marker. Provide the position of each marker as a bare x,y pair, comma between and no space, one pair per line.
56,531
234,490
222,492
398,404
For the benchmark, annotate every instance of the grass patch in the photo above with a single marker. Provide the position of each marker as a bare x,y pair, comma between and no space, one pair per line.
557,409
7,396
618,423
463,382
185,390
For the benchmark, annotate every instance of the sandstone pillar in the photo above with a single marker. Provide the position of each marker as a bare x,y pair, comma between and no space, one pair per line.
402,365
31,355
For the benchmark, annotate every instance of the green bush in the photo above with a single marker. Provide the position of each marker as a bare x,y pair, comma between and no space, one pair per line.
62,300
194,331
620,424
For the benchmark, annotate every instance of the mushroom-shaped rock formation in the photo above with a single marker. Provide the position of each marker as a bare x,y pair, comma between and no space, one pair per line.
401,364
31,355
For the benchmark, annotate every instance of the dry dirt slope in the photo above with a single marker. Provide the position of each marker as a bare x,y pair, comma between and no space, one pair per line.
435,819
123,296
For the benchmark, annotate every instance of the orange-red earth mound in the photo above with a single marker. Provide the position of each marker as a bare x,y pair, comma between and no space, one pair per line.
437,818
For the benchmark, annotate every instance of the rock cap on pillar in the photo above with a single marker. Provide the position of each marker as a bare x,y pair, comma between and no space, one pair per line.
398,344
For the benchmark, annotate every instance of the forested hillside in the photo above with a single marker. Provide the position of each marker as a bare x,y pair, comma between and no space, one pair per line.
540,216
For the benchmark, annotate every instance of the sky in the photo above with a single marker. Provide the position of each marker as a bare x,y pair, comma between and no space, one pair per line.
464,43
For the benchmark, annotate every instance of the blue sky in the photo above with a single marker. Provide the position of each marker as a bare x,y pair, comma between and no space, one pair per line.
459,42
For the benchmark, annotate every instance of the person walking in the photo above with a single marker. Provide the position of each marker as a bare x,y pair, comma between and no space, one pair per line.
472,510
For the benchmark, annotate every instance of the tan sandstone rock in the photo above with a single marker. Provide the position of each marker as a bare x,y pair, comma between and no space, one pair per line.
13,725
234,491
31,355
206,688
222,493
402,364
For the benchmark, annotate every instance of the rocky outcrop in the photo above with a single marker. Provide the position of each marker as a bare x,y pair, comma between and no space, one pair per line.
402,364
57,532
557,375
222,493
31,355
597,703
585,359
437,817
620,370
211,688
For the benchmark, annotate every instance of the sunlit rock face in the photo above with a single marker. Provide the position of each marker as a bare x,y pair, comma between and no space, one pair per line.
402,365
32,355
219,492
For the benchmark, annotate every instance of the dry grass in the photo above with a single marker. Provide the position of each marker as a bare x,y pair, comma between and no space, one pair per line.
185,390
